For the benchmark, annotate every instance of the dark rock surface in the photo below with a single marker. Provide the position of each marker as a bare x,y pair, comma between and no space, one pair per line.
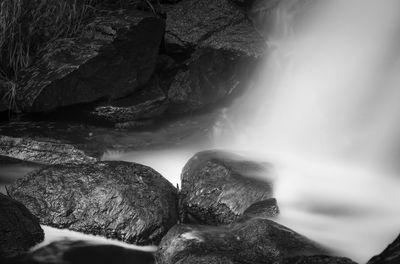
19,229
217,187
318,260
391,255
149,103
120,200
82,252
255,240
209,77
117,55
225,49
44,152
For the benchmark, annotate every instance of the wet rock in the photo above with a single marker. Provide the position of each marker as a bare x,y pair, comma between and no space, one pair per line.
83,252
391,255
149,103
265,208
120,200
256,240
19,229
217,187
205,259
210,77
225,50
116,55
318,260
44,152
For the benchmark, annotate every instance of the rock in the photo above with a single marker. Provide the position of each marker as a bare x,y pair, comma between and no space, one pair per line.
81,252
44,152
391,255
19,229
195,259
116,55
318,260
149,103
256,240
225,50
265,208
120,200
210,77
217,187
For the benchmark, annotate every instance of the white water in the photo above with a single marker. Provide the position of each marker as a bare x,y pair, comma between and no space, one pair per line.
326,112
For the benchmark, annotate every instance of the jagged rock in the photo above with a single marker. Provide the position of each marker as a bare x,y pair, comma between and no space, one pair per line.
225,50
82,252
116,55
318,260
120,200
44,152
255,240
217,187
391,255
19,229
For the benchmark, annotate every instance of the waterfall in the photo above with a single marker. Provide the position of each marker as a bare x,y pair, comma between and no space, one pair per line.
325,110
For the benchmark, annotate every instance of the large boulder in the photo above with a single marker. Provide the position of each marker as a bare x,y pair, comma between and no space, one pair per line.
224,48
120,200
44,152
391,255
19,229
82,252
116,55
255,240
217,187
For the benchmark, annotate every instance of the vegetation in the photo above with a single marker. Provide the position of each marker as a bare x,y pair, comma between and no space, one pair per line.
26,26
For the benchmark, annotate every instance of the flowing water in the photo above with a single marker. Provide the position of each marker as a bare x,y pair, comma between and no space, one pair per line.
325,111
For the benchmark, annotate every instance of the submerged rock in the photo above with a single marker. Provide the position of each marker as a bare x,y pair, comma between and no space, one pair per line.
120,200
83,252
44,152
391,255
116,55
19,229
217,187
255,240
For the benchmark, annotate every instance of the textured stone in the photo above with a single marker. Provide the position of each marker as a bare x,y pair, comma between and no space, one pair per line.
19,229
391,255
217,187
318,260
116,55
120,200
255,240
44,152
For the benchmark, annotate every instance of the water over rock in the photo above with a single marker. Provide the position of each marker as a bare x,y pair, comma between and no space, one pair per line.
44,152
83,252
19,228
217,187
116,55
391,255
125,201
255,240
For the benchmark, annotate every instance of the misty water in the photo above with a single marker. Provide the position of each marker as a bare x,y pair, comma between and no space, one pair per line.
324,110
